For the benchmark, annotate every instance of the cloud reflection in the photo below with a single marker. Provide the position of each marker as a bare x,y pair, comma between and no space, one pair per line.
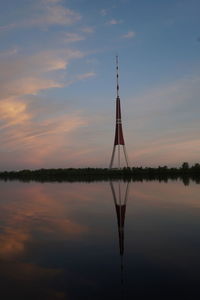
34,211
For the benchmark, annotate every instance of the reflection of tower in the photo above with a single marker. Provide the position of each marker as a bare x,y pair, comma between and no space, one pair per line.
120,206
119,138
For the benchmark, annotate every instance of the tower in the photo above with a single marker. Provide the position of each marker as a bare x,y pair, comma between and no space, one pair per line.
119,138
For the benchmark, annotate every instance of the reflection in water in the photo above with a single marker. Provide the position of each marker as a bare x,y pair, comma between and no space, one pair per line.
58,241
32,221
120,205
120,200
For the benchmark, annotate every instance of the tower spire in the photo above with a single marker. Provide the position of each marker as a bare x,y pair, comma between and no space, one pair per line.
119,138
117,73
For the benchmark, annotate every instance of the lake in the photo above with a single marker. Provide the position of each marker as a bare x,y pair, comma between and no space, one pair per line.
100,240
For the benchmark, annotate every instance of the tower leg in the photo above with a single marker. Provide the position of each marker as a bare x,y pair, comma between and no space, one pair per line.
126,156
112,157
118,156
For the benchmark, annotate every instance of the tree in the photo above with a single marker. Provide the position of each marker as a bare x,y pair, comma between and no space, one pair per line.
185,166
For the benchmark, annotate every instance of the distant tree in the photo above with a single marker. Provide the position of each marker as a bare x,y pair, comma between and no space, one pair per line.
185,166
197,166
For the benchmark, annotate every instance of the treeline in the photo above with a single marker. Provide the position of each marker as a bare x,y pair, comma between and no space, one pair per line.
161,173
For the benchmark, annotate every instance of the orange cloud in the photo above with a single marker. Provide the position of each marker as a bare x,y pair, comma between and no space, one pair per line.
28,75
23,128
20,130
37,142
13,112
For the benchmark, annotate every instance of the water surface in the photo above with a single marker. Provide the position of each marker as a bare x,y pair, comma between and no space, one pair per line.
84,241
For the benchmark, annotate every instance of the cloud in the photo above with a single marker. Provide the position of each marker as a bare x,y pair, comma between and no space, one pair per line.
24,129
73,37
46,13
114,22
33,140
21,131
166,119
87,29
8,27
27,86
54,13
9,52
52,1
165,152
103,12
40,62
86,75
129,35
13,112
81,77
169,96
27,75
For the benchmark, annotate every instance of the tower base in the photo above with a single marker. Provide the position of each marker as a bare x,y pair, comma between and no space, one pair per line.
119,157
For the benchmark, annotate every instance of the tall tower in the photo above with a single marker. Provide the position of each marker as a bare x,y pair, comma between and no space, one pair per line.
119,138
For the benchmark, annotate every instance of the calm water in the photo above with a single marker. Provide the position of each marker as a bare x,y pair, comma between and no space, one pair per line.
68,240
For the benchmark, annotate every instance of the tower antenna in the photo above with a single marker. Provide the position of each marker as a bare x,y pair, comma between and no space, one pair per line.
117,73
119,138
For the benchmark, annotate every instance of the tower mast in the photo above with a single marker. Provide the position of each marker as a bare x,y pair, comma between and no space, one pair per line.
119,138
117,74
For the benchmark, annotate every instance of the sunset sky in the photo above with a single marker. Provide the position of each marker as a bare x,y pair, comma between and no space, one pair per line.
57,82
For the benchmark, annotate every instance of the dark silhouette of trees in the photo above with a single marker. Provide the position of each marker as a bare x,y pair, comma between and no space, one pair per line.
185,166
161,173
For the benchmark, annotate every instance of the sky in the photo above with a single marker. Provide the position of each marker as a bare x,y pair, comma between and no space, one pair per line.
58,84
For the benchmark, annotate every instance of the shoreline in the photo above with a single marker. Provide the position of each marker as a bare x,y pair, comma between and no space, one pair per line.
184,173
